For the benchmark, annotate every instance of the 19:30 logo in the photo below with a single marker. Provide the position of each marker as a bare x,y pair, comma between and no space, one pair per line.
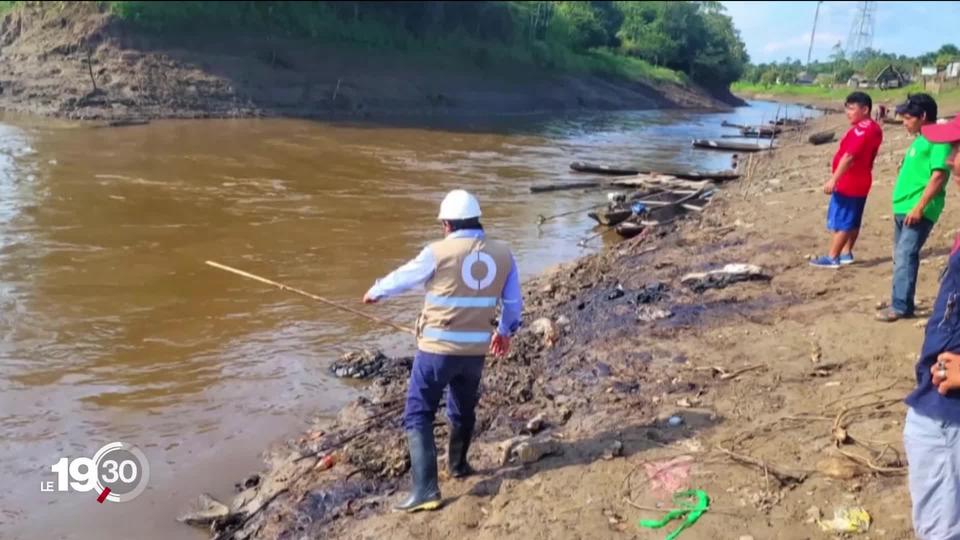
119,472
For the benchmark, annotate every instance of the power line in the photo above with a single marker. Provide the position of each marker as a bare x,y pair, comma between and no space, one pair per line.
813,32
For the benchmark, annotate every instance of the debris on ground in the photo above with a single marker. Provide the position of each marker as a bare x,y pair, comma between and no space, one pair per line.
840,468
370,364
847,520
358,364
546,329
653,293
615,449
720,279
690,504
536,424
205,511
647,313
669,476
618,292
526,450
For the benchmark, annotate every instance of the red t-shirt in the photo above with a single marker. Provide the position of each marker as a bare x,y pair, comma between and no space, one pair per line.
862,141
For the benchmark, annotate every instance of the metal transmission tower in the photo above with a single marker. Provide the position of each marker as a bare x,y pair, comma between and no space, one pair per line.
813,33
861,31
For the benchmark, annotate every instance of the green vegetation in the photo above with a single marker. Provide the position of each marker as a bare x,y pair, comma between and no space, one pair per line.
949,100
838,69
650,40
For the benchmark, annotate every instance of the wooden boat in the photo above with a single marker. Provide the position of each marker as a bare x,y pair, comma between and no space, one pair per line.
822,137
580,166
789,122
731,124
762,131
629,229
725,145
611,216
719,176
762,134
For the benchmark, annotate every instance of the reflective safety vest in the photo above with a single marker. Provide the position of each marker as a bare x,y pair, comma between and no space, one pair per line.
462,296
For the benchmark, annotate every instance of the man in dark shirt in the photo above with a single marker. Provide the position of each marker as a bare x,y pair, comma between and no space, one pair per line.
931,434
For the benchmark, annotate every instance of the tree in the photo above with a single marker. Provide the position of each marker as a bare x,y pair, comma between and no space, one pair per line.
874,66
837,55
945,59
611,18
579,25
694,37
844,74
949,49
769,77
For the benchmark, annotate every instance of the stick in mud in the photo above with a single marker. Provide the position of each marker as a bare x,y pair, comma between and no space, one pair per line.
782,476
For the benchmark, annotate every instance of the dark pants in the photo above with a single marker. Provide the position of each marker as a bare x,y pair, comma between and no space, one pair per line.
907,243
432,373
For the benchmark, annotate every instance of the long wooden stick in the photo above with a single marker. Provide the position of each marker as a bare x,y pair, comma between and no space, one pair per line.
331,303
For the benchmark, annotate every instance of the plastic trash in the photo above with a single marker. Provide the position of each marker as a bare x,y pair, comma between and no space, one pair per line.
638,208
669,476
847,520
691,505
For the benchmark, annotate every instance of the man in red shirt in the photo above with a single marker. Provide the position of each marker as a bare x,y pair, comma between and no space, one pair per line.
850,184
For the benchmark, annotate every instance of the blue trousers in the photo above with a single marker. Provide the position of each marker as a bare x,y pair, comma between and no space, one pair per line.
907,243
931,434
933,454
432,373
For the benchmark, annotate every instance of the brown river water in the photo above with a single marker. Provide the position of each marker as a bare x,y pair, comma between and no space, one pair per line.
114,329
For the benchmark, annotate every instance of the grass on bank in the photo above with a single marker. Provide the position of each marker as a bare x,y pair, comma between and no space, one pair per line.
948,100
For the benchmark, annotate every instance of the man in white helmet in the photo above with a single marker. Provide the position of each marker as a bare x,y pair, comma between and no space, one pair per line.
465,276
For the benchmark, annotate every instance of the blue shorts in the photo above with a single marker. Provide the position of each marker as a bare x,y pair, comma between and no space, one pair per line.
845,213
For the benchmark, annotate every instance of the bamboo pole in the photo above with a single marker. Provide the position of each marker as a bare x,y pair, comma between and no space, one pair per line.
330,303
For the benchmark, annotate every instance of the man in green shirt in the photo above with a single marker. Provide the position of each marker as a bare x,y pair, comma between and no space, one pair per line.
918,200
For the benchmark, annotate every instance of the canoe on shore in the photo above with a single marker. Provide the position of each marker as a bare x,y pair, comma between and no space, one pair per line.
580,166
822,137
789,122
719,176
711,144
611,217
629,229
763,131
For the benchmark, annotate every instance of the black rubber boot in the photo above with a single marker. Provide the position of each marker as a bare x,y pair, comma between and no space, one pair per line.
425,494
457,453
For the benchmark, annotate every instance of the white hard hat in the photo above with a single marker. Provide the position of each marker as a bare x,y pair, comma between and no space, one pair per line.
458,204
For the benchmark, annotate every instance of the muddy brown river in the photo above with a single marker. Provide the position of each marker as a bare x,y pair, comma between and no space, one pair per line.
114,329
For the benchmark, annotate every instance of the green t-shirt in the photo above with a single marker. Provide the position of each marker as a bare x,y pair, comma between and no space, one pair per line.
923,157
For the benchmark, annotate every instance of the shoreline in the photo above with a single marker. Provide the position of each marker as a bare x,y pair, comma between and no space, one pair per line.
948,100
735,364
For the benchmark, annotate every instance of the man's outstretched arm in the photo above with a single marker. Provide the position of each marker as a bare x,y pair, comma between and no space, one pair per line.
412,274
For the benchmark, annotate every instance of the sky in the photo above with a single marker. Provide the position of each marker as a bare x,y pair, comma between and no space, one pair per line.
776,30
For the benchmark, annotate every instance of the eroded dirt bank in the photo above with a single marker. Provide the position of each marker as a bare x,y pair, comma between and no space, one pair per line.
44,69
787,391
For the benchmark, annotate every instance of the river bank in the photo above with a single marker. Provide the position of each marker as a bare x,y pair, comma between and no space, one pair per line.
81,63
761,375
831,99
